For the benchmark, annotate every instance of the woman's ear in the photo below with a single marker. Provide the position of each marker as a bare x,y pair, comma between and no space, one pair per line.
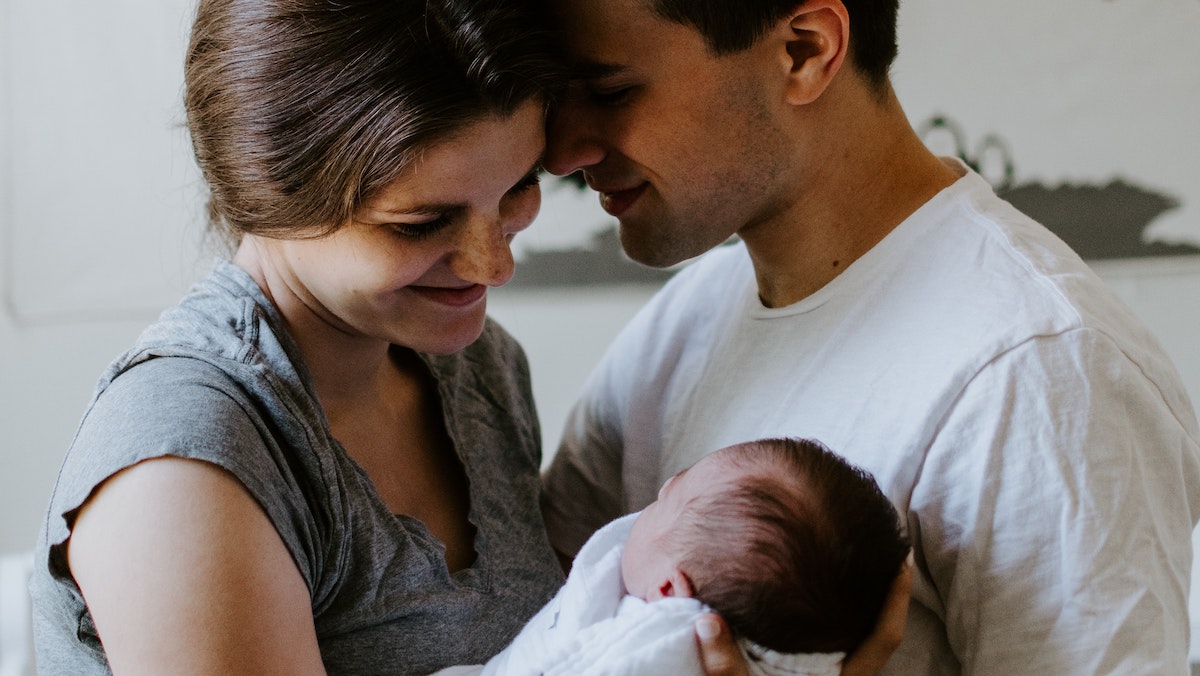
816,39
677,584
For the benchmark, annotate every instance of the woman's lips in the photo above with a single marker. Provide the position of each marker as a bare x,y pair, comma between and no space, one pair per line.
617,202
454,297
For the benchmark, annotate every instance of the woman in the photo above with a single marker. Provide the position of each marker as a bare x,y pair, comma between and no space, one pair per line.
228,505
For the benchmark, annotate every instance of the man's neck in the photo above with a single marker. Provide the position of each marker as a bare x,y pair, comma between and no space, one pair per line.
860,190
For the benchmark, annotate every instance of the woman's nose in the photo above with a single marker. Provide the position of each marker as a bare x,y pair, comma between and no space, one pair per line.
482,254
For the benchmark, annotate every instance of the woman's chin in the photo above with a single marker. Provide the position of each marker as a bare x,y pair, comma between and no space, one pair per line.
449,340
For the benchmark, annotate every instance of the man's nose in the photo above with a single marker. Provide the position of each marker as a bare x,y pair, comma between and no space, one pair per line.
571,139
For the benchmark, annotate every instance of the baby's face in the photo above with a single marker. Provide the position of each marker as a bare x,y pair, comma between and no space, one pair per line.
650,571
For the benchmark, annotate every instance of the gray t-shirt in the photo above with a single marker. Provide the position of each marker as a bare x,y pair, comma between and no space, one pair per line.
217,379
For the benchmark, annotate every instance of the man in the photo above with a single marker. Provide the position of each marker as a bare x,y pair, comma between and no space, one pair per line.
1035,438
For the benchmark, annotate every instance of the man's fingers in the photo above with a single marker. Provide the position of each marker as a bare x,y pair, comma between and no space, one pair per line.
873,654
719,653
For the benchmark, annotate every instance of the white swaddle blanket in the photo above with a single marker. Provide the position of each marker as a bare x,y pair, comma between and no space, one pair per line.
593,628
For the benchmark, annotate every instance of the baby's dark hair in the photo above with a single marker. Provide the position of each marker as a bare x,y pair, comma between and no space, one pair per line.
799,557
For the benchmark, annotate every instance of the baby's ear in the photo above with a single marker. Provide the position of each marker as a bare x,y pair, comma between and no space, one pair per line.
678,584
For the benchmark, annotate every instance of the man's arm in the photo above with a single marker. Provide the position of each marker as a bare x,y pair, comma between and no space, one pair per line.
1054,512
582,489
183,573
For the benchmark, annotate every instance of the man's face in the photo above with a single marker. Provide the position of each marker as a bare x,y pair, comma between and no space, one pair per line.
681,144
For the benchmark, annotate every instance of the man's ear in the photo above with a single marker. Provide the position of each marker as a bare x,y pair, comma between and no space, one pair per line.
677,584
816,39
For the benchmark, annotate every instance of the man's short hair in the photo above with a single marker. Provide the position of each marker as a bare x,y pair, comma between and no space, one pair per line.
734,25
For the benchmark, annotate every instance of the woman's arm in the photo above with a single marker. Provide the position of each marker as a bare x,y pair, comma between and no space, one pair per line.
182,572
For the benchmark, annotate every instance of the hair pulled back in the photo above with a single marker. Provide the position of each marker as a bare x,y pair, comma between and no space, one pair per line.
299,110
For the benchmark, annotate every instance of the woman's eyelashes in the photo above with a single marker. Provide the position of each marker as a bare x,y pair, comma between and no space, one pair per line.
529,181
440,221
423,229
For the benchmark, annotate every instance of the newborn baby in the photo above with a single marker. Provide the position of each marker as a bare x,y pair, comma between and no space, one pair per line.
793,546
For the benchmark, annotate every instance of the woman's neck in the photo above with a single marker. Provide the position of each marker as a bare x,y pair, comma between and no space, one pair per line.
346,367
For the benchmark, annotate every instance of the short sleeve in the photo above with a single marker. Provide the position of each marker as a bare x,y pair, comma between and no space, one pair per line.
582,488
185,408
1052,519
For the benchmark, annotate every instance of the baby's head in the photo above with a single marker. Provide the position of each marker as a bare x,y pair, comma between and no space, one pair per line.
792,545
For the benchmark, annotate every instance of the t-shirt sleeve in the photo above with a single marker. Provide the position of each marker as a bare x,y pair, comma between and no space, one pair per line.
582,488
1052,519
609,462
185,408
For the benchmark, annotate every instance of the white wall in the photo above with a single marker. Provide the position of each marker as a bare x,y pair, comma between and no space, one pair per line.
99,215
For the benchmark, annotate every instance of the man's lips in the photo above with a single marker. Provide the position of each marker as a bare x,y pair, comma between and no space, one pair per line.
617,202
454,297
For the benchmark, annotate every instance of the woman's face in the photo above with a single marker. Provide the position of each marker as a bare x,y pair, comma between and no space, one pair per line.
414,264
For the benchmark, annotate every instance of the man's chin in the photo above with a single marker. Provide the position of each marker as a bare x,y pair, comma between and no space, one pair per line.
658,252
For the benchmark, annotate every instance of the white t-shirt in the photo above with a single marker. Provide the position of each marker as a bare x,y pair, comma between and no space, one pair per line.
1036,440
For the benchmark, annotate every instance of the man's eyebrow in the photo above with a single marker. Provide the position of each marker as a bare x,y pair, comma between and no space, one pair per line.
594,70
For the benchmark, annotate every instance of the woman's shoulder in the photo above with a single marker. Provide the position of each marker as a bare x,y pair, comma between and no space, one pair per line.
167,407
224,318
169,396
189,409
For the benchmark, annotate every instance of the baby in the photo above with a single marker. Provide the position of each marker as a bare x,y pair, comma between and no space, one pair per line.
795,548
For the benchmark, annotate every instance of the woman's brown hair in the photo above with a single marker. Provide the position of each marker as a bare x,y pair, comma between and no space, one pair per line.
299,110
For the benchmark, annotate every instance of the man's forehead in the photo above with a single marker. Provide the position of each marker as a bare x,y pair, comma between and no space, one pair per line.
603,35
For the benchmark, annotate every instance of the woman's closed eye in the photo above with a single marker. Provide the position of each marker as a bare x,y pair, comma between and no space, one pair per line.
530,180
418,230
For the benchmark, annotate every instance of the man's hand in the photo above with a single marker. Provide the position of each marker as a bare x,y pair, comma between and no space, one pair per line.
720,656
873,654
719,653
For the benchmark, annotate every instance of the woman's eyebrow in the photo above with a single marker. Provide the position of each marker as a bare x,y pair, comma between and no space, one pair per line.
449,208
419,209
